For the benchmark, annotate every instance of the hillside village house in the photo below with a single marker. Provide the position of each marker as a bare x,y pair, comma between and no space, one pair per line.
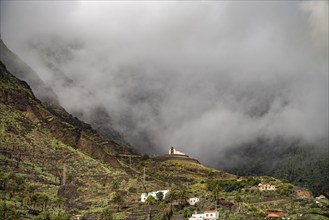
266,187
274,214
197,217
207,215
193,201
144,196
173,152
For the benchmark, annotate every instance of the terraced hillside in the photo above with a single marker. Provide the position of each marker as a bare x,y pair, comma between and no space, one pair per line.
52,155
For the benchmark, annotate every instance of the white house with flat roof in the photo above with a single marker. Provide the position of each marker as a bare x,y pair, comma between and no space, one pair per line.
144,196
193,201
197,217
207,215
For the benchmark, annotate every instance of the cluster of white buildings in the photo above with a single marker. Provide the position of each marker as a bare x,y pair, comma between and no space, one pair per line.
207,215
144,196
266,187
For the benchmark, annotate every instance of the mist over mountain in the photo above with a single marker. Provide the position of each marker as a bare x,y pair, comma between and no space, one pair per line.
21,69
207,77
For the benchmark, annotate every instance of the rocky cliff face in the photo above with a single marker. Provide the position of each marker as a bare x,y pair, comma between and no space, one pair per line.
100,120
68,129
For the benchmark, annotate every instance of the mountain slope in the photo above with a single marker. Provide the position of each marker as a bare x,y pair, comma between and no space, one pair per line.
53,166
301,164
52,156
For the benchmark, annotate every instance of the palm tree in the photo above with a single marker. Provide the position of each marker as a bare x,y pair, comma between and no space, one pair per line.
106,214
216,190
183,194
118,199
16,215
59,202
171,196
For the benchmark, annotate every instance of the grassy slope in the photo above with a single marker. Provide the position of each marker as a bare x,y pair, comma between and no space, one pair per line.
32,147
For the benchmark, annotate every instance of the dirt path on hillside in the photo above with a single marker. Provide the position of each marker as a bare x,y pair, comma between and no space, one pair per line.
271,201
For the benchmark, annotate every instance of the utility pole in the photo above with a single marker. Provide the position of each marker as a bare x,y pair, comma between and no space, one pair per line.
64,173
130,160
144,176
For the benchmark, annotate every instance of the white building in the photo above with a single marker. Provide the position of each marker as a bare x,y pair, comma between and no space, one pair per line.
173,151
144,196
207,215
193,201
197,217
211,215
266,187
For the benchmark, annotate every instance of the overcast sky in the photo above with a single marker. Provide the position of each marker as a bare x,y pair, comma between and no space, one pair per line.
202,76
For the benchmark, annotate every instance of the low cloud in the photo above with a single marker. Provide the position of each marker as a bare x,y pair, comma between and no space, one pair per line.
202,76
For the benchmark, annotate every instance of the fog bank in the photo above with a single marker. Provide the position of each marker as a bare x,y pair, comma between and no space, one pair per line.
202,76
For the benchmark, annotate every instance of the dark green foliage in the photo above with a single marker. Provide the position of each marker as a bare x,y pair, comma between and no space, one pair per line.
251,181
132,190
53,215
118,199
40,200
106,214
8,211
12,182
160,196
225,185
151,200
115,185
301,164
307,167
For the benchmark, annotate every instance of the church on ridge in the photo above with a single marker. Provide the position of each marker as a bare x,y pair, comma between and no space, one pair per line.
174,152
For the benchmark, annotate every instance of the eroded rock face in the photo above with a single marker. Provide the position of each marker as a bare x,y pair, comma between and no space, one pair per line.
17,99
3,70
304,194
71,131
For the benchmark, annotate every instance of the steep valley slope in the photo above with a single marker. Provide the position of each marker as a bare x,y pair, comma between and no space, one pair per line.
54,166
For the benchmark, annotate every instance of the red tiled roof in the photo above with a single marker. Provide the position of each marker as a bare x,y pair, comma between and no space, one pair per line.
275,214
207,211
272,215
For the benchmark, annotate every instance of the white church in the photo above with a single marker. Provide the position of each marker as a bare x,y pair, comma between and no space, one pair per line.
174,152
